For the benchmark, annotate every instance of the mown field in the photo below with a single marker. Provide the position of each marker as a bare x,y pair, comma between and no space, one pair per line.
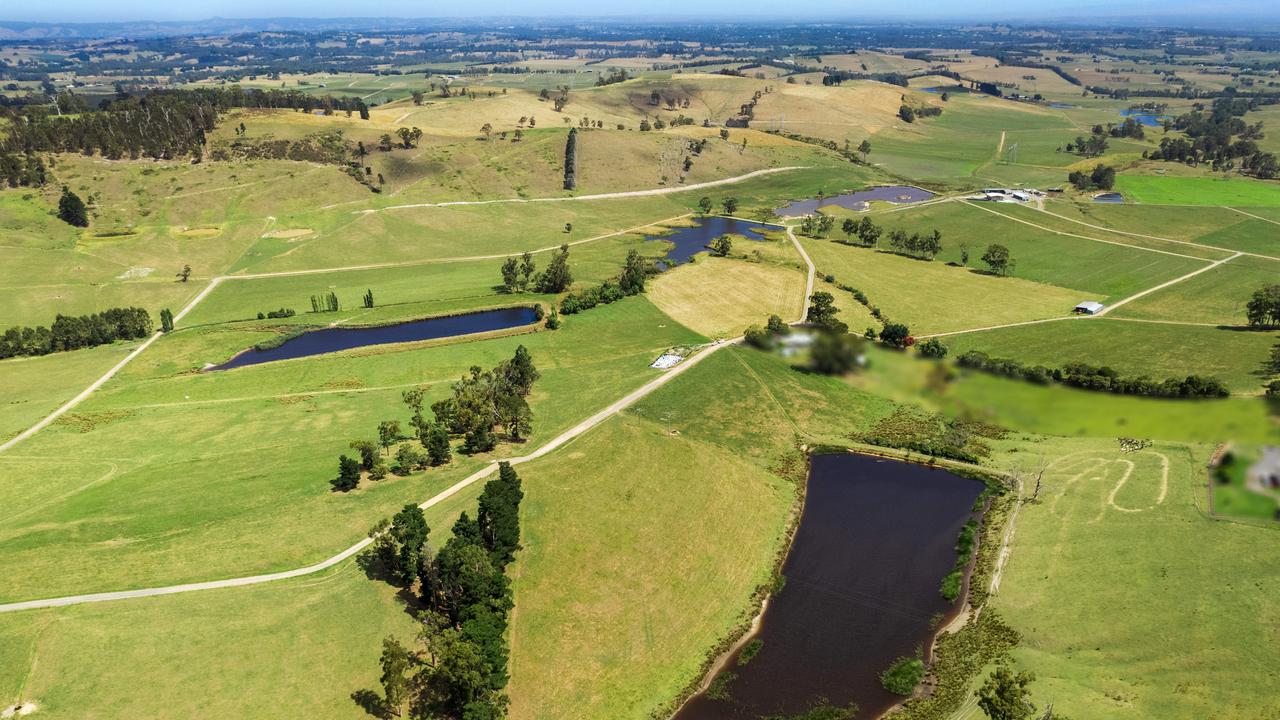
1239,192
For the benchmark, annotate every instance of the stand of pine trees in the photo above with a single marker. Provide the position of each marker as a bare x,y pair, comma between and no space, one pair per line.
458,667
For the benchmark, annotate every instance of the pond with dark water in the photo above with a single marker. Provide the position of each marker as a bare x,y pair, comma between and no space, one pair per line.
1110,197
689,241
897,194
333,339
862,583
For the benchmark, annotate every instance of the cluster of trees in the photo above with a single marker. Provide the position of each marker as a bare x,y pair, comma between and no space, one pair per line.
273,314
1102,177
571,160
924,247
730,205
909,114
517,274
1130,128
22,170
458,667
816,225
1089,377
765,338
521,275
630,282
1219,136
481,400
72,333
1263,308
163,124
1092,146
325,303
612,78
867,232
998,259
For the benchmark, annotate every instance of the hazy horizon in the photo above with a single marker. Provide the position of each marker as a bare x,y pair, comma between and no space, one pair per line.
1151,11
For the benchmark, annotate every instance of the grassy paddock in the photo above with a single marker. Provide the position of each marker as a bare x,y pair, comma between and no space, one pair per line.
1158,190
1133,348
721,297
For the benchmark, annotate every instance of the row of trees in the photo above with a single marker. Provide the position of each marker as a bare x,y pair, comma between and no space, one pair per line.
1090,377
22,170
74,332
458,667
165,124
328,302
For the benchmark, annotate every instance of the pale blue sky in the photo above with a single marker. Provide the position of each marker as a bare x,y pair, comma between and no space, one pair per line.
1080,10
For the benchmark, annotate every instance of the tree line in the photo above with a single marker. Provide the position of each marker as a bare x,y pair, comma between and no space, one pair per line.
74,332
457,668
1090,377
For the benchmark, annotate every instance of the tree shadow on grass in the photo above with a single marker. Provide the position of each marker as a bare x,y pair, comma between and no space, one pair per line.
371,702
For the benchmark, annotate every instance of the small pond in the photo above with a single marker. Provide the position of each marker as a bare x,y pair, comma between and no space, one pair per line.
333,339
690,241
1110,197
898,194
875,540
1146,118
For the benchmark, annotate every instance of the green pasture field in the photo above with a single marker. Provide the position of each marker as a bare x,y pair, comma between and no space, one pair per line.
1100,268
35,386
1133,348
721,297
1218,296
932,297
1187,224
260,439
1059,216
1239,192
953,147
1112,578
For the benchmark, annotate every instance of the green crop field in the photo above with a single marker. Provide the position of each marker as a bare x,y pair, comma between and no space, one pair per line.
1199,191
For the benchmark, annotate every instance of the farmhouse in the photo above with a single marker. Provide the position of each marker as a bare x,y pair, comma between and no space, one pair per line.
1266,472
1088,307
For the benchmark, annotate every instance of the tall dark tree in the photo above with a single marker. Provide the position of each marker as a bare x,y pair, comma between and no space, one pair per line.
71,209
634,272
409,533
166,320
348,474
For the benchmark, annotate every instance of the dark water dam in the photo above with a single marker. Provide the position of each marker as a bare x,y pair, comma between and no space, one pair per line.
327,340
897,194
875,540
690,241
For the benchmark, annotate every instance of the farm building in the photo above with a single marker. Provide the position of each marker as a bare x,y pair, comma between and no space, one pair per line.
1266,472
1088,307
